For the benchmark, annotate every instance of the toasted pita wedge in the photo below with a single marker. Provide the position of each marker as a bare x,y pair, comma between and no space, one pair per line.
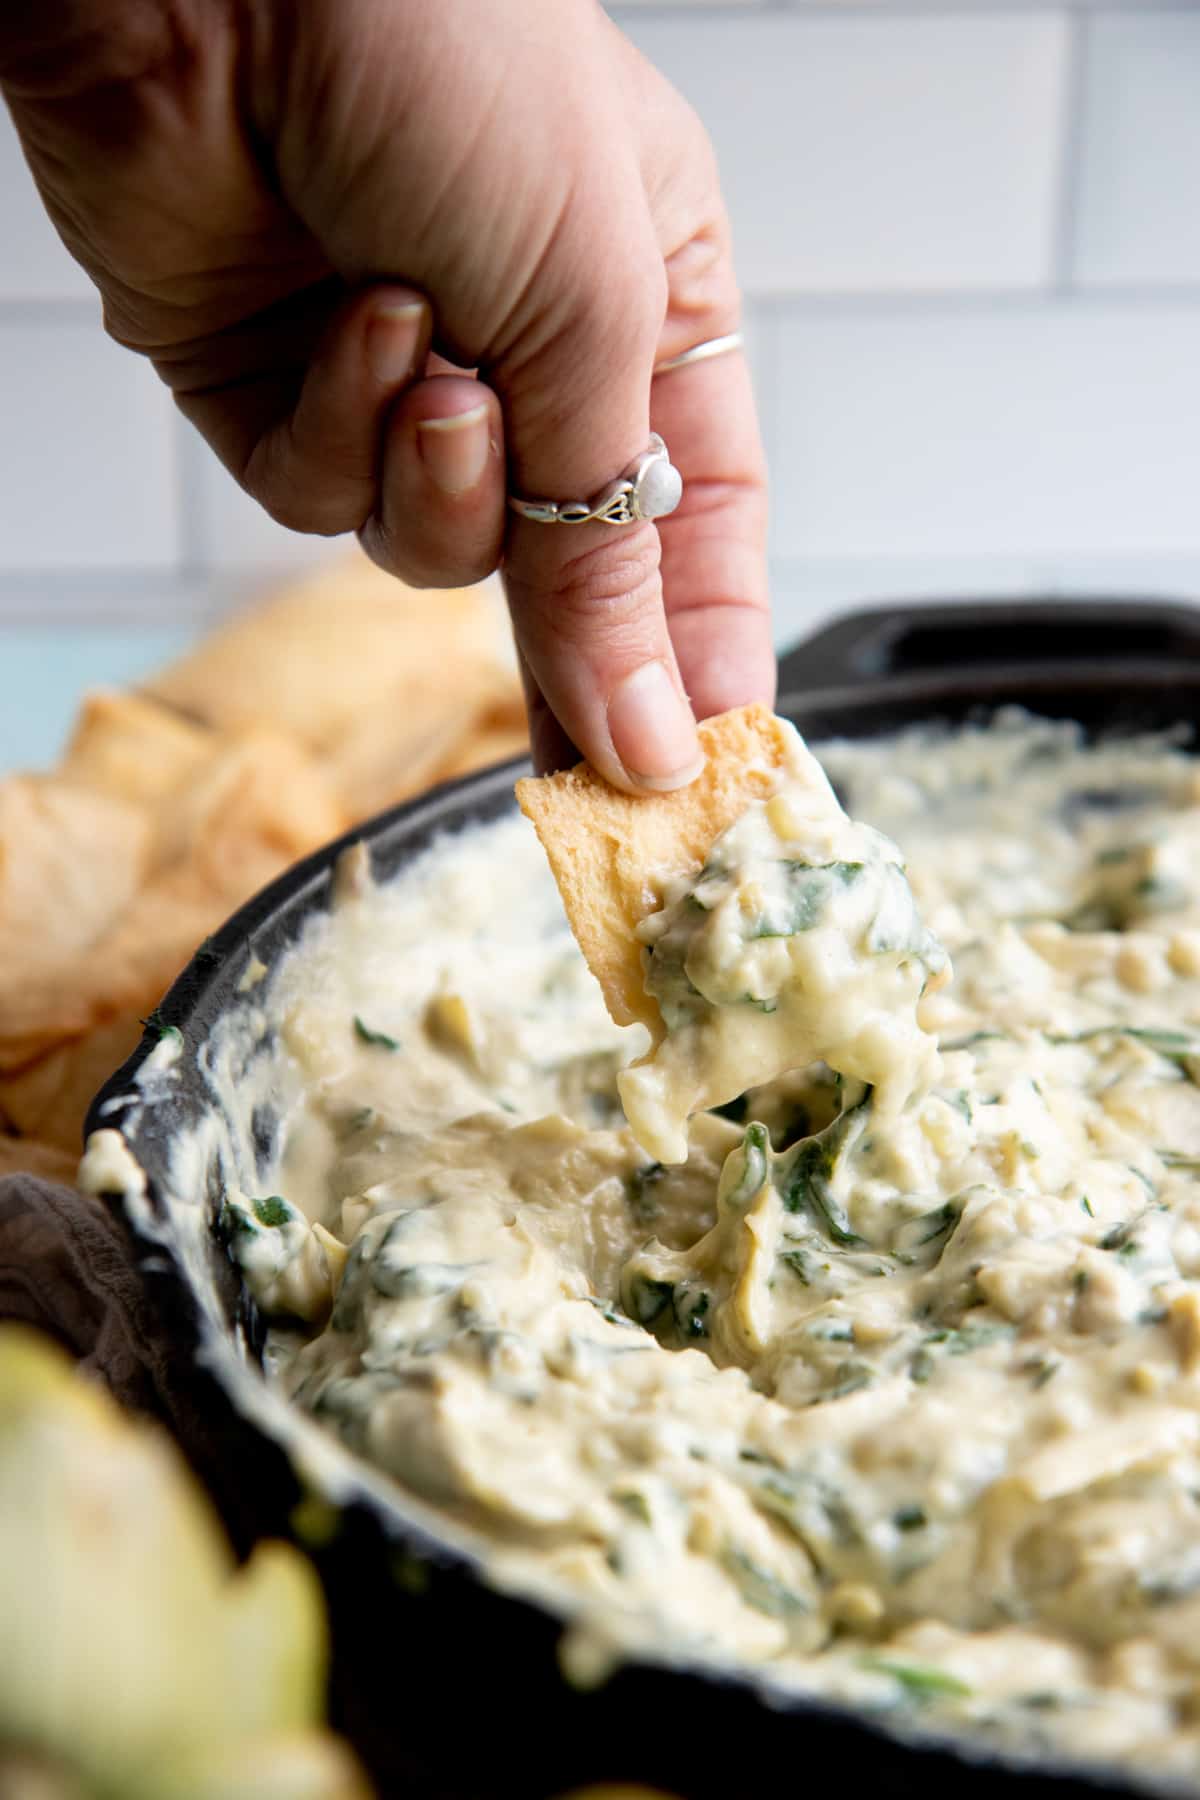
507,711
398,746
339,644
49,1099
612,854
133,748
70,861
66,1014
124,976
482,747
261,802
26,1156
258,790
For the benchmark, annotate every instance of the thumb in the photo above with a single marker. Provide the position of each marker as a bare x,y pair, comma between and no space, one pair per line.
587,600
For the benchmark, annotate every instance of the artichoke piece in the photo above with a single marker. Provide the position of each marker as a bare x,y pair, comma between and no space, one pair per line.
140,1661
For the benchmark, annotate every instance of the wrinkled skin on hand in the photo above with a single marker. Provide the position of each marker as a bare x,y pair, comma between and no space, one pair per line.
313,219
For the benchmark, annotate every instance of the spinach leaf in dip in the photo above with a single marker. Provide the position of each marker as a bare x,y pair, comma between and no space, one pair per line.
798,942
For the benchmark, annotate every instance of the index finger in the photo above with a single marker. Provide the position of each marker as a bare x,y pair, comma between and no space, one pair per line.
714,547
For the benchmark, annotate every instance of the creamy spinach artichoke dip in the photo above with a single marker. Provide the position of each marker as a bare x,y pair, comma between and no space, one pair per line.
897,1407
797,941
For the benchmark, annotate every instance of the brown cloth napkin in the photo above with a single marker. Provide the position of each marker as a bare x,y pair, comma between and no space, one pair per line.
66,1268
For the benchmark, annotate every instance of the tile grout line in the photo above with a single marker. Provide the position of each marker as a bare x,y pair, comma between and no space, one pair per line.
1151,292
110,598
195,561
1064,245
868,301
51,311
1050,569
744,10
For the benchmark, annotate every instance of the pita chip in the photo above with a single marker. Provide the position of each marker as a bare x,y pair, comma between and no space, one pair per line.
133,748
332,647
613,854
70,861
26,1156
48,1099
400,745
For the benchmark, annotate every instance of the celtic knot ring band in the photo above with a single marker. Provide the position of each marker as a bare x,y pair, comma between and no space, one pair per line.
718,346
650,488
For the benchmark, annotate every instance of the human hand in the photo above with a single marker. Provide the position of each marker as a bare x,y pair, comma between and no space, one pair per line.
287,208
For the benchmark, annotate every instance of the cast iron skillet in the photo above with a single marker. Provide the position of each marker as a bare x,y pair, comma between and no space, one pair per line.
450,1690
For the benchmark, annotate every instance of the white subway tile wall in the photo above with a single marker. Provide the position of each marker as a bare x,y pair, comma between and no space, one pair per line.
1139,171
1023,428
879,155
87,451
970,245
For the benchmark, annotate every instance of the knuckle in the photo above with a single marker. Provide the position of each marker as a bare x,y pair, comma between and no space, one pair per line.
377,541
289,494
705,299
379,544
725,506
426,565
589,351
621,316
313,513
371,543
604,593
607,311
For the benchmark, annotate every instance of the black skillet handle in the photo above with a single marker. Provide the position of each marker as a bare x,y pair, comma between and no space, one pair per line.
876,642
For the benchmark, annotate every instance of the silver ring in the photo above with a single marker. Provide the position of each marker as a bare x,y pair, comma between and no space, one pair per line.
718,346
650,488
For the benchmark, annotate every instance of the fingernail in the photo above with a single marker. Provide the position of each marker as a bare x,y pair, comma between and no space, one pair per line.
392,338
653,731
455,451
